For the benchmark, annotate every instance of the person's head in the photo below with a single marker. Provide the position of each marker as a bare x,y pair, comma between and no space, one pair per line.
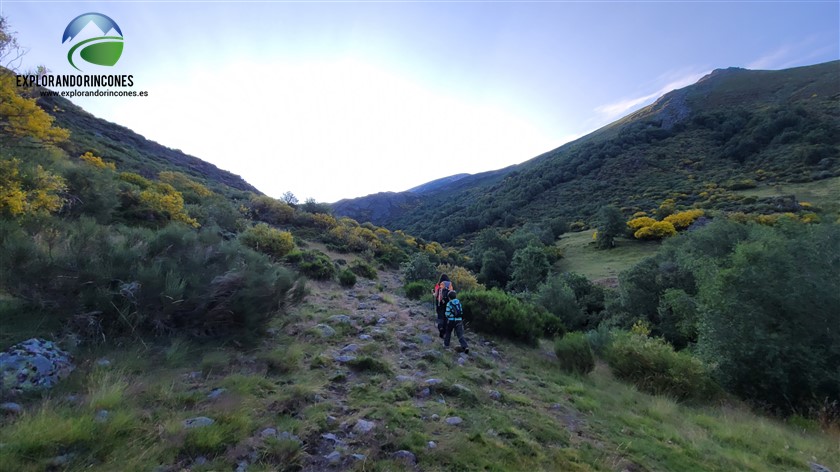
452,295
444,278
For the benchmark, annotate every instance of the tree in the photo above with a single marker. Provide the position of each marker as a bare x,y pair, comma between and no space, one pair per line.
289,198
20,116
610,223
528,268
494,268
312,206
11,53
558,298
771,316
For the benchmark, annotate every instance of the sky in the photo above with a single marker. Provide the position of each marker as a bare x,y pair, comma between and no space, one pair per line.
333,100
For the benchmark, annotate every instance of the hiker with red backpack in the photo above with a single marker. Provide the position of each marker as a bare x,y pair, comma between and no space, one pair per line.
441,294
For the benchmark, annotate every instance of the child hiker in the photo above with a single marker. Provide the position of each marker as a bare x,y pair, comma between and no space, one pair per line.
454,320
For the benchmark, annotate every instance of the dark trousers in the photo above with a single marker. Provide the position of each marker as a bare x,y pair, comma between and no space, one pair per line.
458,326
441,319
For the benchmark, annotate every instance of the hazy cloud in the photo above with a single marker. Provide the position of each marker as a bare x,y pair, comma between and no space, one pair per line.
771,60
794,54
621,107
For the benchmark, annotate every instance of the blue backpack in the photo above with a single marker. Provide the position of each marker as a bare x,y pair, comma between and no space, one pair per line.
456,311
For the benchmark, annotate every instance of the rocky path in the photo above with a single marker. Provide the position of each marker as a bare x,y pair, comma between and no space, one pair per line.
375,322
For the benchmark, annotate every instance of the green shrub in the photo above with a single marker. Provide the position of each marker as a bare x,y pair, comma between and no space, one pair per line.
139,282
391,256
600,339
135,179
552,326
654,367
363,269
415,290
316,265
574,353
295,257
495,312
346,278
268,240
418,267
265,208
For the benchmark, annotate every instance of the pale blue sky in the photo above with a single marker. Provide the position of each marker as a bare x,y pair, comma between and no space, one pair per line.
344,99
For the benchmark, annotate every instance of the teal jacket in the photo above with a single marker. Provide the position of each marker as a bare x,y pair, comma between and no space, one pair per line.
454,314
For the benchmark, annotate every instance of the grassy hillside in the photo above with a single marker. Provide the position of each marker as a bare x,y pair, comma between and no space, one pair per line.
697,146
582,257
292,402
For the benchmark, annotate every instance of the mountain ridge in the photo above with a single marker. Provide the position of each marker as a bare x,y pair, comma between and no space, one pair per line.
731,124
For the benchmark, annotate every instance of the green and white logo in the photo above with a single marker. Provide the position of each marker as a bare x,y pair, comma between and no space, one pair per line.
100,50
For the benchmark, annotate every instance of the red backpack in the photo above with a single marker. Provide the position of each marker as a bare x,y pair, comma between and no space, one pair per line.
443,292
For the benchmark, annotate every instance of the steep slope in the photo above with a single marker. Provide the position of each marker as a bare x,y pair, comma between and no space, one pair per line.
131,151
733,129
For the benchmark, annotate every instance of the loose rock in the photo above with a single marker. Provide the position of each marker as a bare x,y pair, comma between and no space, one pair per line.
198,422
333,458
340,319
325,331
363,426
33,365
406,456
11,407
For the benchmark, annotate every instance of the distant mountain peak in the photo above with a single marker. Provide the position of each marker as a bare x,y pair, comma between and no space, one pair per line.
721,73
